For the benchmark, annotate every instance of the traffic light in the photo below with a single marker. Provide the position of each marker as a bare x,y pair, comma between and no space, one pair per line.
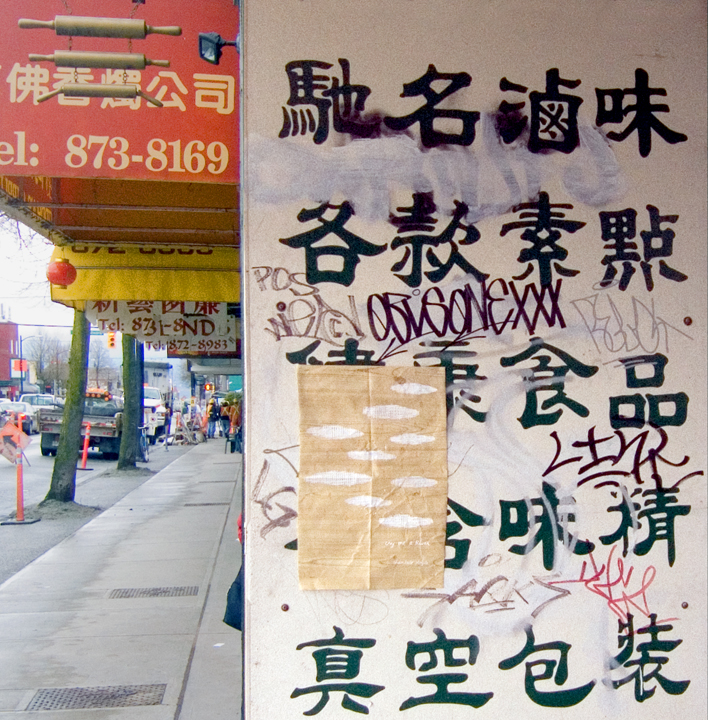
208,387
111,339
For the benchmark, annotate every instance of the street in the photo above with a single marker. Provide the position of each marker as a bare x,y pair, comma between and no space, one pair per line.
96,490
37,474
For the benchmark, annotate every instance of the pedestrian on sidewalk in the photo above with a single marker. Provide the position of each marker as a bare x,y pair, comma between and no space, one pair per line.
212,413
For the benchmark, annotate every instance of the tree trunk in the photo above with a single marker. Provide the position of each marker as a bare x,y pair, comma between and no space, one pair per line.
132,381
63,484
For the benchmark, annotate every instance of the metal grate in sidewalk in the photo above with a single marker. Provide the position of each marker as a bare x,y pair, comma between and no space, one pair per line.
185,591
96,697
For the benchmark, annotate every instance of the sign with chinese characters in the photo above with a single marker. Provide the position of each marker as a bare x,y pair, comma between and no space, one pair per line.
514,194
125,101
203,328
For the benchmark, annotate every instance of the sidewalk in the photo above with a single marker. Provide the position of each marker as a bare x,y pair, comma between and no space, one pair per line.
124,618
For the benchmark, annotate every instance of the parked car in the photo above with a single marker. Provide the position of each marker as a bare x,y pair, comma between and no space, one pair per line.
21,411
37,400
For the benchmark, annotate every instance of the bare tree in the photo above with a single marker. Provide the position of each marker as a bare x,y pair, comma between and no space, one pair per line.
63,483
99,361
50,357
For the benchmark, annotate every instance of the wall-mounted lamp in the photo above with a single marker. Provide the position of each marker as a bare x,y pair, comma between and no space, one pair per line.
210,45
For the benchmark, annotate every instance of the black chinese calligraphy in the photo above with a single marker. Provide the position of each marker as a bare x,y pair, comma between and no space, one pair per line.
612,109
646,670
310,89
543,222
555,669
337,261
446,647
336,660
554,115
537,380
420,217
619,228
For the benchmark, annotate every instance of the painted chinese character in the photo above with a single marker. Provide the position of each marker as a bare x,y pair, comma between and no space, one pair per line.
355,246
637,402
442,694
620,228
644,121
161,84
557,670
461,546
351,355
553,525
419,216
554,115
206,308
105,305
217,92
460,376
137,306
309,88
427,114
334,662
173,306
543,224
27,81
648,667
537,380
661,509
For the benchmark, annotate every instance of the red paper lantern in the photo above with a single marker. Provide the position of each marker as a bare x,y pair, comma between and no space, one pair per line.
61,272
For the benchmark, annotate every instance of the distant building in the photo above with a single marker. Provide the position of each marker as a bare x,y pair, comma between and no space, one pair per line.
9,352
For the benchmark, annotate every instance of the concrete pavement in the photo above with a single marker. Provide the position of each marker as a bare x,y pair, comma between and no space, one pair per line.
124,618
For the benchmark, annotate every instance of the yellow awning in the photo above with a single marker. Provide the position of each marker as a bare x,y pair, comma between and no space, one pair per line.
149,273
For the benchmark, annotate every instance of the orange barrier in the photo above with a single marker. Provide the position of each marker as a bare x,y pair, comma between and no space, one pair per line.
84,454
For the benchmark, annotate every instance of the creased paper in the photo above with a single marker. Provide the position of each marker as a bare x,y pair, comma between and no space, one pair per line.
373,477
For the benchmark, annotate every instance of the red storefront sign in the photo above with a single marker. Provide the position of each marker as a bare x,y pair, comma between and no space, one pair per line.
193,137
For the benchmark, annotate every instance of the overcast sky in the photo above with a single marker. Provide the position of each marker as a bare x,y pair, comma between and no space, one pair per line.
24,288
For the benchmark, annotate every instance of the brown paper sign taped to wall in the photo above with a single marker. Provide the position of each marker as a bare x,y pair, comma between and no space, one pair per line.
372,496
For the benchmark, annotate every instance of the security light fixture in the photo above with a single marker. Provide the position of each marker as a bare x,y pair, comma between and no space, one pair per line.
210,45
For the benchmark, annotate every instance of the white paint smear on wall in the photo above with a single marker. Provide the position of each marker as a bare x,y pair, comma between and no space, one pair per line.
413,388
370,455
412,439
390,412
413,481
488,176
334,432
405,521
368,501
338,477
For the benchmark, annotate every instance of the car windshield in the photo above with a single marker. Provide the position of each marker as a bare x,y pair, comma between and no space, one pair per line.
37,400
152,394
